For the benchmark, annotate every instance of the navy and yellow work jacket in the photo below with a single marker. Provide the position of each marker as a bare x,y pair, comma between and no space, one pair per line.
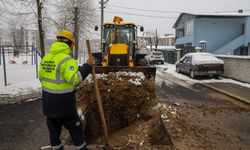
59,74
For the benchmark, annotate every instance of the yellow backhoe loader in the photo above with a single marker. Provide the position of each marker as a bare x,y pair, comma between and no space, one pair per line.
120,50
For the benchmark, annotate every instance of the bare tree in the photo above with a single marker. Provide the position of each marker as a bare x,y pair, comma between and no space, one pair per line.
40,26
76,15
22,14
14,16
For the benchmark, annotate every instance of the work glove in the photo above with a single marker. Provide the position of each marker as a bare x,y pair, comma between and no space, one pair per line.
91,61
86,68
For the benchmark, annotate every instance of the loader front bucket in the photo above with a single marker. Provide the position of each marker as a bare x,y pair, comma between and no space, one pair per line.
149,72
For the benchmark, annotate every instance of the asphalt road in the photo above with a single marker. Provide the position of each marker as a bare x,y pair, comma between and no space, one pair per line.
22,126
207,120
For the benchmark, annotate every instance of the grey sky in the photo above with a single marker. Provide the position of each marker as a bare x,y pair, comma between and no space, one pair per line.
164,25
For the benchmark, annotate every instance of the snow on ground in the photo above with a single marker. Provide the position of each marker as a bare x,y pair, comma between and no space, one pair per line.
21,78
20,88
138,77
170,68
160,79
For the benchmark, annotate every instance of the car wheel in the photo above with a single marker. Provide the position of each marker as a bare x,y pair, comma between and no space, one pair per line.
216,76
192,74
177,69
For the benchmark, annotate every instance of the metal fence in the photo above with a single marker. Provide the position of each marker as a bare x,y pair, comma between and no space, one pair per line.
8,51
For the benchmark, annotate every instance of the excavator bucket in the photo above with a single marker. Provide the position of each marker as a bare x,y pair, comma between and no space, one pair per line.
149,72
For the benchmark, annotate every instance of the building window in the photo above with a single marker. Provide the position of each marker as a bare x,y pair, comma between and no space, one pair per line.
179,33
188,29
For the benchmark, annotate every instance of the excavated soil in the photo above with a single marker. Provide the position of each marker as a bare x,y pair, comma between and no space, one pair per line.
129,103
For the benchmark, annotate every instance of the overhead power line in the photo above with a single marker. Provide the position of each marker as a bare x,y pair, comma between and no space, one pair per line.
133,14
173,12
147,10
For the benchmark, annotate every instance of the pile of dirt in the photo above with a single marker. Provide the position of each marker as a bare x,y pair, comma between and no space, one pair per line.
128,100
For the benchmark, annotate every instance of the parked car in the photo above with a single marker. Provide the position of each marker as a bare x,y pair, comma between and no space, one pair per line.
155,57
200,64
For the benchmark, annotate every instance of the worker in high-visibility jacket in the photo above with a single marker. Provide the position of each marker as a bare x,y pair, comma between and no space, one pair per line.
59,74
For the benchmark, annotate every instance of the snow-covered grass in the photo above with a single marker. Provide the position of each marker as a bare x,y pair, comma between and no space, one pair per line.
20,88
21,78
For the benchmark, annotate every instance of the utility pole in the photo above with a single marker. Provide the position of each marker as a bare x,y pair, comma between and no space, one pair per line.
102,17
156,39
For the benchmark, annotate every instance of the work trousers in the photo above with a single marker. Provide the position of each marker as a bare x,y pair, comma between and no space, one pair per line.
73,125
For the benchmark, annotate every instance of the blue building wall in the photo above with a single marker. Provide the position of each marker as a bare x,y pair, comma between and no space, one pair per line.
222,35
217,32
185,39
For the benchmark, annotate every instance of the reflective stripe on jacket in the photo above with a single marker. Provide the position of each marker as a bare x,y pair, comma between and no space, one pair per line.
58,72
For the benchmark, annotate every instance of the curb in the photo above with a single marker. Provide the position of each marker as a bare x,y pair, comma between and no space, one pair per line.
227,93
246,101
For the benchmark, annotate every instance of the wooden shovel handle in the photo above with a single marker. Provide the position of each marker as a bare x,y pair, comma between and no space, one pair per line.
99,101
